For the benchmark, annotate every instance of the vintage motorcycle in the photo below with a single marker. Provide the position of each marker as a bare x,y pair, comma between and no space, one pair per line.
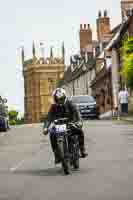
67,143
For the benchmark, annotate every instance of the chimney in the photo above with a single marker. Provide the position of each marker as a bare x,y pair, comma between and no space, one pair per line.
126,7
103,26
85,36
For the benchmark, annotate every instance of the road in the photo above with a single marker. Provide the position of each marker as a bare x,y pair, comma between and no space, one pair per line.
27,170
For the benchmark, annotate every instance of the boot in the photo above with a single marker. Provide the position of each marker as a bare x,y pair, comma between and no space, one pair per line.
83,153
57,160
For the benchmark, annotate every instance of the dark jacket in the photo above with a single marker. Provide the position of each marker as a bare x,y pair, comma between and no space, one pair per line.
68,110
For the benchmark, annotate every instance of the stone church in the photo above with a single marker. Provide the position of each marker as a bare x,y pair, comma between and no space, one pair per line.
41,76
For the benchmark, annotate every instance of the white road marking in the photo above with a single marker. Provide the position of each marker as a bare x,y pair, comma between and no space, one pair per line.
3,134
27,125
12,169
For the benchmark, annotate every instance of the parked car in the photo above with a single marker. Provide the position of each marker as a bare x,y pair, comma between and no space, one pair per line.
4,121
86,105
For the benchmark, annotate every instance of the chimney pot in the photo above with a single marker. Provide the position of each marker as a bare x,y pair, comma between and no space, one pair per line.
84,26
99,14
105,13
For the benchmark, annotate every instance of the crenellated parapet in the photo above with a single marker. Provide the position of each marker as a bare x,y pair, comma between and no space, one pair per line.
45,61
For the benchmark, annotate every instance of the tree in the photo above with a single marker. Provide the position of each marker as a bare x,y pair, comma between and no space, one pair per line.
13,114
20,121
127,61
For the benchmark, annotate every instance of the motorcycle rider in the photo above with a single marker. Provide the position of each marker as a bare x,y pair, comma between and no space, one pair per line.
64,108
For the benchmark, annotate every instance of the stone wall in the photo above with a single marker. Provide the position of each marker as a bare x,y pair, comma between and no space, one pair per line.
39,82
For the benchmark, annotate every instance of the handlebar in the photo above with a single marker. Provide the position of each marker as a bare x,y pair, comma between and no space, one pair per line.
61,121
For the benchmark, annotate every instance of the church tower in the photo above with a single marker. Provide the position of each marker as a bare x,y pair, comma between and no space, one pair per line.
40,79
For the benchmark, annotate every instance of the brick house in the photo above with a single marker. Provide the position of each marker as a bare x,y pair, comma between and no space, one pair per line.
108,79
80,73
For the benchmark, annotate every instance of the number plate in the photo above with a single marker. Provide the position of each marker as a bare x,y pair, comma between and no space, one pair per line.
60,128
85,111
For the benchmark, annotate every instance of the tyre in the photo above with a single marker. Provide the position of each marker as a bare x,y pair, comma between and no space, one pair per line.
5,127
75,152
63,157
60,150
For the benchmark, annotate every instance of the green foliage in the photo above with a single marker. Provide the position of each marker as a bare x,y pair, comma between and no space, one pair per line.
13,114
20,121
12,122
13,117
127,61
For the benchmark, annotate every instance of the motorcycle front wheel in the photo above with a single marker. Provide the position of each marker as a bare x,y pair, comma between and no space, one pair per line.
62,148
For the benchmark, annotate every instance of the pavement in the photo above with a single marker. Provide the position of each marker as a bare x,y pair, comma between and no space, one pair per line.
27,170
128,118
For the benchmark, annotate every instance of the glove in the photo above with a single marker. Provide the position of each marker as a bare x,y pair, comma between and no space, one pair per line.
79,124
45,131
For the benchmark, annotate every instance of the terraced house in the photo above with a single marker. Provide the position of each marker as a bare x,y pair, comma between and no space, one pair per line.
80,73
108,78
96,70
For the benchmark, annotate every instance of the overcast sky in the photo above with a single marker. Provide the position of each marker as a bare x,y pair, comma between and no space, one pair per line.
48,21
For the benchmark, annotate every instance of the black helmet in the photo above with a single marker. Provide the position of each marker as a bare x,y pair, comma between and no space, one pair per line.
59,96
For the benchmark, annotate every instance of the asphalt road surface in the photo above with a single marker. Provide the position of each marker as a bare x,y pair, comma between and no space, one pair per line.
27,170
